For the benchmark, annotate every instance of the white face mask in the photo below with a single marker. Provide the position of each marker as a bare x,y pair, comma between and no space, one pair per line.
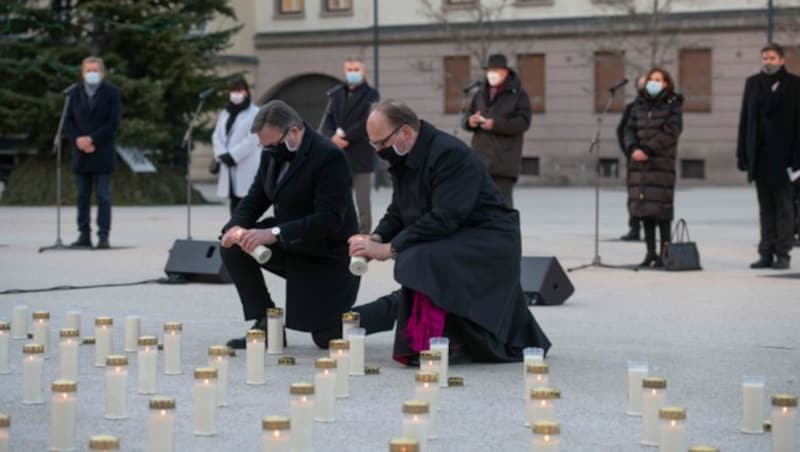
92,77
494,78
237,97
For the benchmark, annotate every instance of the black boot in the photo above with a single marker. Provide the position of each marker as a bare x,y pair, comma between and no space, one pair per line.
84,241
240,343
651,260
763,262
782,263
632,236
102,243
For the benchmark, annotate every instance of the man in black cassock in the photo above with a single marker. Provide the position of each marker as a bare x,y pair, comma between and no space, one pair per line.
456,247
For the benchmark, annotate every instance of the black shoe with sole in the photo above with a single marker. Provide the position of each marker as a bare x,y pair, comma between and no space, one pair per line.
103,244
782,263
763,262
632,236
652,260
84,241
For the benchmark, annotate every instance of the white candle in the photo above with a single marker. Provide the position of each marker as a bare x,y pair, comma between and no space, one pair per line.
32,374
301,413
102,337
116,387
41,330
427,389
415,422
261,254
358,265
104,443
19,325
442,345
161,425
340,351
637,370
403,445
537,376
753,404
784,422
275,331
673,429
530,355
72,319
5,336
62,415
172,348
654,396
545,436
133,324
205,401
68,356
350,320
255,357
146,365
542,405
218,357
430,361
277,436
356,337
325,390
5,423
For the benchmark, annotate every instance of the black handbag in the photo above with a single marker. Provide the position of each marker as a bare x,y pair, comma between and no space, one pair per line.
681,253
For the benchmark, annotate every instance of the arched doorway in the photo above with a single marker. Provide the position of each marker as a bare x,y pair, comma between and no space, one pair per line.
305,93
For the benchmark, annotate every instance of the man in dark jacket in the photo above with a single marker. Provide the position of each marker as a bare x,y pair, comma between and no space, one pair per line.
345,123
768,144
634,224
499,115
456,247
95,110
306,180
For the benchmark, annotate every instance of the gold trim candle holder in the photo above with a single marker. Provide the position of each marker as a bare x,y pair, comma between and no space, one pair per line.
63,408
32,374
41,330
673,429
350,319
542,405
103,342
116,387
403,445
103,443
530,355
654,396
703,448
340,351
430,361
277,434
218,358
545,436
146,363
427,389
275,331
784,422
301,413
416,422
161,425
205,401
173,332
325,388
68,353
255,357
537,375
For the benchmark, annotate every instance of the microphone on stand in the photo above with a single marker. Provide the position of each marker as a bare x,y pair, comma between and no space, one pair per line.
206,94
471,86
618,85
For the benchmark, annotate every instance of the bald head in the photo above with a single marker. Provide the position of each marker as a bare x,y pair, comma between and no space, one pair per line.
390,122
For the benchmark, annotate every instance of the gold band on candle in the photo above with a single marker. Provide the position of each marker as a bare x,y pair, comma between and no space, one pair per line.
654,383
546,428
537,368
427,377
784,400
68,332
455,381
416,407
287,361
4,326
88,340
256,334
32,349
219,350
116,360
162,403
274,312
545,394
100,321
325,363
339,344
64,386
41,315
403,445
276,423
672,413
351,316
103,442
5,420
202,373
703,449
173,326
301,388
430,355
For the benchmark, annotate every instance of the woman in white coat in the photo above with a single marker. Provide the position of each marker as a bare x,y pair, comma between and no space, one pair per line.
235,148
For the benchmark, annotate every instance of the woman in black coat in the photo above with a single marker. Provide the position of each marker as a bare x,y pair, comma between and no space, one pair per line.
651,139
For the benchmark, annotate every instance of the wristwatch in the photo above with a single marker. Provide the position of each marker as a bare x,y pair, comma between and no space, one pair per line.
276,231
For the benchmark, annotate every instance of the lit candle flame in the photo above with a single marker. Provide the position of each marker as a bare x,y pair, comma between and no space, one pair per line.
326,371
147,348
219,358
117,369
163,412
425,385
547,438
206,381
785,410
544,402
416,418
63,395
673,423
303,399
653,392
276,433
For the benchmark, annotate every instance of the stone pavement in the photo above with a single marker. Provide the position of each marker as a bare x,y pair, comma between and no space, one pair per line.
701,330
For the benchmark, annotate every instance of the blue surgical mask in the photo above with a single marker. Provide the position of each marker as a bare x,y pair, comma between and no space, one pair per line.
654,88
92,78
354,78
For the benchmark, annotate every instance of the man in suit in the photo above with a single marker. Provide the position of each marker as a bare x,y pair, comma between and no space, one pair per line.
306,180
94,114
769,133
345,123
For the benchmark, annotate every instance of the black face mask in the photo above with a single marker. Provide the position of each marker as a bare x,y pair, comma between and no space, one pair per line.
390,156
279,152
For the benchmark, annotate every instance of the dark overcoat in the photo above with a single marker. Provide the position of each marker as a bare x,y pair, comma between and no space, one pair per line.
348,110
99,118
458,243
769,127
313,206
654,127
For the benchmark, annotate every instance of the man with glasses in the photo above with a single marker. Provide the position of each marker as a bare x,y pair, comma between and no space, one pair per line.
307,181
456,247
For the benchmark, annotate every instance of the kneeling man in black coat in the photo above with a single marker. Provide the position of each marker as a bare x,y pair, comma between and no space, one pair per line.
306,179
456,246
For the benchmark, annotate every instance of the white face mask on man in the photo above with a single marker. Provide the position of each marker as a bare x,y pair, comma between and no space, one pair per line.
237,97
92,78
494,78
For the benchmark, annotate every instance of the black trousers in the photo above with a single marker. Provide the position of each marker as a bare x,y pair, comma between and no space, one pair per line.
664,227
776,215
102,191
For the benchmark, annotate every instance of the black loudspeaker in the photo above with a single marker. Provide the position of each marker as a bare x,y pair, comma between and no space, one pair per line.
196,260
544,281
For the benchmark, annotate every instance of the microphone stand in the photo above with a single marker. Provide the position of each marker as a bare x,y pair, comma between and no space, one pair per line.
59,244
594,147
187,144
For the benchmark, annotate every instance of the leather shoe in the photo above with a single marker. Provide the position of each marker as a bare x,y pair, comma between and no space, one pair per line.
632,236
652,260
240,343
84,241
103,244
782,263
763,262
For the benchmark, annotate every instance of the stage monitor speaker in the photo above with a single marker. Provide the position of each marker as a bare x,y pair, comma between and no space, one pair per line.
544,281
197,261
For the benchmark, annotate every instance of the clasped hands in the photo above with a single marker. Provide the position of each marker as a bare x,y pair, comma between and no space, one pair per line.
476,119
639,155
247,239
84,143
370,247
